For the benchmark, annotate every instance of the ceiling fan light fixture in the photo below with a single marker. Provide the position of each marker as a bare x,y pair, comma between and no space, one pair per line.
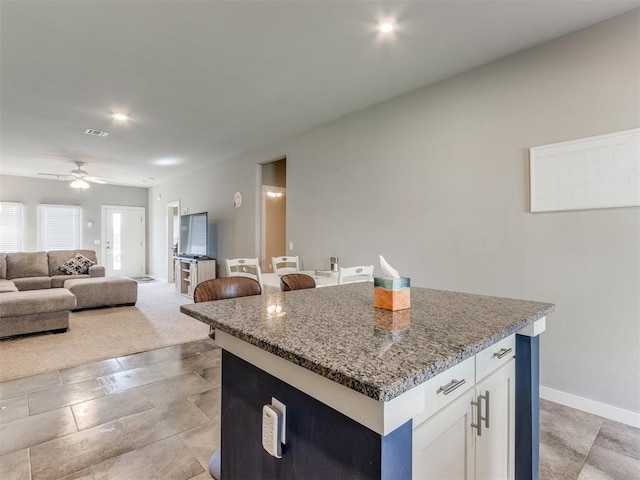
386,25
79,184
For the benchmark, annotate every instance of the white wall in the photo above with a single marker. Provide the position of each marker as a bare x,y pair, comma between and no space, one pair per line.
437,181
34,191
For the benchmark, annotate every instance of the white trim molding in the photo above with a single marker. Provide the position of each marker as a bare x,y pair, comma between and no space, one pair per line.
591,406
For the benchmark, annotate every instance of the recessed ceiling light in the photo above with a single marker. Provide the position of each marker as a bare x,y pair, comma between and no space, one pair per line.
122,117
386,25
167,161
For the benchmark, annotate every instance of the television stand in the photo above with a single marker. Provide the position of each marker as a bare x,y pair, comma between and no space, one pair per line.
189,272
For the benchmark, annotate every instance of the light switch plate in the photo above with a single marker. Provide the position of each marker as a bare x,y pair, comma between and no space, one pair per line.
283,409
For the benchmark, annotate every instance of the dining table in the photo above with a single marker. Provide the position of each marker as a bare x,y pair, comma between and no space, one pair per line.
323,278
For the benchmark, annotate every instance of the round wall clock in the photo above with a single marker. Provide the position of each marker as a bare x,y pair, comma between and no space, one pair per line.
237,200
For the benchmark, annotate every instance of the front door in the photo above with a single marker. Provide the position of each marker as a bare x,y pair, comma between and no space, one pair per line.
123,241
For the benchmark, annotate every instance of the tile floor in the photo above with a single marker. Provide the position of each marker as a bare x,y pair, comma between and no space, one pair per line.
153,415
582,446
156,415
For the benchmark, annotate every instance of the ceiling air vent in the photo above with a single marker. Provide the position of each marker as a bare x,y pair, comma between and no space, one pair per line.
97,133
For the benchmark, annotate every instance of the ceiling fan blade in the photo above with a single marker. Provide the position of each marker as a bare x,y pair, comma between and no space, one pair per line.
95,180
57,175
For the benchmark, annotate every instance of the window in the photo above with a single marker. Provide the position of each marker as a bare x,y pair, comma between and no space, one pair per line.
59,227
10,227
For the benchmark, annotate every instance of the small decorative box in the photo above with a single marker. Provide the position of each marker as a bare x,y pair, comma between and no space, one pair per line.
392,293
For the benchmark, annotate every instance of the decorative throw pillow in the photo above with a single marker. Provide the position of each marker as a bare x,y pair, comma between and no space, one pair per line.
76,265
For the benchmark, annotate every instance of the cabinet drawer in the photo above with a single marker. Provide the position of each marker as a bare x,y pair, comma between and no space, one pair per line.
446,387
495,356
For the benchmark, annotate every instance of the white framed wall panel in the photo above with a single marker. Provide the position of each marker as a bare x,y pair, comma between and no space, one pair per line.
594,172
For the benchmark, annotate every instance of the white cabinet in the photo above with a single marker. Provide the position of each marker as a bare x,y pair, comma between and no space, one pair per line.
189,272
472,437
495,445
443,446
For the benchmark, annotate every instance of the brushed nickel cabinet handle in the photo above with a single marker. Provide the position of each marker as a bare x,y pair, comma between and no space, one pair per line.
478,425
502,352
484,397
451,386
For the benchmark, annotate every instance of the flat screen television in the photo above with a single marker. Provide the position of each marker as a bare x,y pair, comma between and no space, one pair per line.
193,235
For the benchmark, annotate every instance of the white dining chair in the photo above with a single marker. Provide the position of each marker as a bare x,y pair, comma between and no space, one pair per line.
244,267
284,265
362,273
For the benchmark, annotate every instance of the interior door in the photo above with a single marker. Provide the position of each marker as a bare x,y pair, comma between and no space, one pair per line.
274,220
123,241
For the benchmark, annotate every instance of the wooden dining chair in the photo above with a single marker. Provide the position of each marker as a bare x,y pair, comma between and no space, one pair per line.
223,288
244,267
355,274
296,281
284,265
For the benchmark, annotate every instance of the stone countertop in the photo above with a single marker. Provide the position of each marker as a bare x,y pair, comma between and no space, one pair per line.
337,333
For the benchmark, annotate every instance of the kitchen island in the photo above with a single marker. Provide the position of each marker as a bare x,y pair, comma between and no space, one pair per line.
365,389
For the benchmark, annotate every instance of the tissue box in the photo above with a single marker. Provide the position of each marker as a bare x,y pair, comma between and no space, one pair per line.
391,293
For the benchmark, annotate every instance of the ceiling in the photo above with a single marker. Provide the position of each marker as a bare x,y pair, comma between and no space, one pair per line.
203,80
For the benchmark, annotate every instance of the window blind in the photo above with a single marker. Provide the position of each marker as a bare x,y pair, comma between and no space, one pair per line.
59,227
11,231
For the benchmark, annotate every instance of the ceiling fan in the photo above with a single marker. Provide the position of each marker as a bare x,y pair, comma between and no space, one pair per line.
80,179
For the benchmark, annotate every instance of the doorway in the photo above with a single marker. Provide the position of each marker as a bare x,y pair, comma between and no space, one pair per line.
123,241
274,212
173,235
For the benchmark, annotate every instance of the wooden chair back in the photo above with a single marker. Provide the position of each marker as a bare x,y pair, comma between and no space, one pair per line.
296,281
223,288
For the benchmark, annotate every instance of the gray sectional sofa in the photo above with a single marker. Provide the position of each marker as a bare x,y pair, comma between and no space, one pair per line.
34,297
39,270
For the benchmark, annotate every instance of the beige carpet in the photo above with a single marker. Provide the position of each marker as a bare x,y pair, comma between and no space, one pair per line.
98,334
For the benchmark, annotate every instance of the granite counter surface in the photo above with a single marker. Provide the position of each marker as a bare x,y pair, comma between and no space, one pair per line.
337,333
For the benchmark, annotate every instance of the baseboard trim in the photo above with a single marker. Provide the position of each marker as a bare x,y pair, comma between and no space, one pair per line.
591,406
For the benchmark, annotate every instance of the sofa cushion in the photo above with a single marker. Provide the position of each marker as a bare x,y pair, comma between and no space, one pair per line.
96,271
33,283
8,286
100,292
58,257
27,264
76,265
3,265
27,303
57,281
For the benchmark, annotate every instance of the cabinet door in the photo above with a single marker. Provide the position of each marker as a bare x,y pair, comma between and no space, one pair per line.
443,445
495,446
193,277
